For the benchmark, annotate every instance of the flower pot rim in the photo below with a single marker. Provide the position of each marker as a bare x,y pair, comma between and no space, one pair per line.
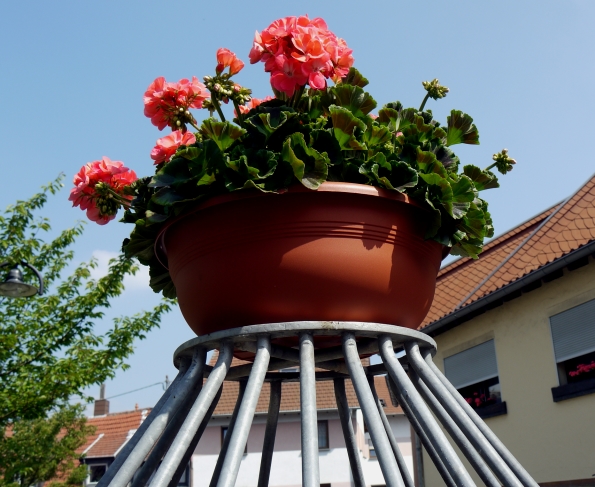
326,187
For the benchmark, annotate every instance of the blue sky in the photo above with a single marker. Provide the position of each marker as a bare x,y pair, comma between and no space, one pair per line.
74,74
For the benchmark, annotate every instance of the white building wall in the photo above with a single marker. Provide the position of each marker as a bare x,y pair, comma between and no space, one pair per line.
286,468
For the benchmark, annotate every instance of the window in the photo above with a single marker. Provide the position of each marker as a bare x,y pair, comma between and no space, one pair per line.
474,373
573,337
185,478
323,443
95,473
224,433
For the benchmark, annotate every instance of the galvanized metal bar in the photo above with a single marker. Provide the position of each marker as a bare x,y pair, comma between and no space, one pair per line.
477,439
230,427
454,431
172,459
407,480
310,466
423,415
239,435
270,433
510,460
427,444
154,431
350,444
388,463
143,474
421,434
129,446
190,451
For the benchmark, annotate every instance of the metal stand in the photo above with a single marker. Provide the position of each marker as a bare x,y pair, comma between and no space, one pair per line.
161,448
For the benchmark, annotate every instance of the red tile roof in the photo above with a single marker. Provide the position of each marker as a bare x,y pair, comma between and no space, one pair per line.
111,432
290,394
520,251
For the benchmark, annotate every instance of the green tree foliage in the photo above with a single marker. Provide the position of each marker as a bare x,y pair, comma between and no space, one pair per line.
42,449
49,348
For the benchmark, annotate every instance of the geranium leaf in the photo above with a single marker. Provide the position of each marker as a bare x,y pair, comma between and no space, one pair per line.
267,123
461,129
354,77
354,98
481,179
428,163
206,179
190,153
347,127
255,165
166,196
389,117
463,190
174,172
376,134
447,157
222,133
309,166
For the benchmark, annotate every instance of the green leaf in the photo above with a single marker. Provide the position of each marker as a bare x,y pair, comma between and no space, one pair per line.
254,165
222,133
309,166
347,128
267,123
462,189
481,179
376,134
174,172
354,98
461,129
395,175
190,152
354,77
428,163
389,117
166,196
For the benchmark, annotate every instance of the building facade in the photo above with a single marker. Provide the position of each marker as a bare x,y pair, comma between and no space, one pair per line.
516,336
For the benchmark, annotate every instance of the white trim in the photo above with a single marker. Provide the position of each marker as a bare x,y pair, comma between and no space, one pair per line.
128,436
101,435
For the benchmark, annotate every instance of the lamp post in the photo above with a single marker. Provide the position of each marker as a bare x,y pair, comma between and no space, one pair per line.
13,285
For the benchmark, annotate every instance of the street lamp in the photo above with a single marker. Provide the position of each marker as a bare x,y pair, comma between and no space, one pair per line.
13,285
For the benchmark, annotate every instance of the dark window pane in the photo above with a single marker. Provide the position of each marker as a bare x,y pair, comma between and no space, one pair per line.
484,393
322,435
96,472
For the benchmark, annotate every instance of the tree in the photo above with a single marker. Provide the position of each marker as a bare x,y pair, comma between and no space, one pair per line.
40,449
49,349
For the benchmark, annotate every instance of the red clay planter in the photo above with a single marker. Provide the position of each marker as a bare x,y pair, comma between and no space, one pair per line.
346,252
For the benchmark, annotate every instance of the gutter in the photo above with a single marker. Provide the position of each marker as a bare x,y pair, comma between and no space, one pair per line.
453,319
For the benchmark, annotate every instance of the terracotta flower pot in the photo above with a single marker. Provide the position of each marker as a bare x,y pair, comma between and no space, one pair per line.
346,252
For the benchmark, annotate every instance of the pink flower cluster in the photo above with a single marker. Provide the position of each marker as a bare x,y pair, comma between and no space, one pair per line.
299,51
168,145
100,204
165,101
253,103
582,369
227,59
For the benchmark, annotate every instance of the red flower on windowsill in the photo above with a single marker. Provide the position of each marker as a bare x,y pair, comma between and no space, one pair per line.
582,369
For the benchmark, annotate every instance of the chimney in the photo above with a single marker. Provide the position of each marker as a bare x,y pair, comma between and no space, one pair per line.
101,404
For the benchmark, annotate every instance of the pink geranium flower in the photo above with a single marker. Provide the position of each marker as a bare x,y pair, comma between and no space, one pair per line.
253,103
99,189
163,100
299,51
168,145
227,59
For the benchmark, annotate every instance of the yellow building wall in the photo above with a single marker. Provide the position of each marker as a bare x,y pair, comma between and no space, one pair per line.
553,441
